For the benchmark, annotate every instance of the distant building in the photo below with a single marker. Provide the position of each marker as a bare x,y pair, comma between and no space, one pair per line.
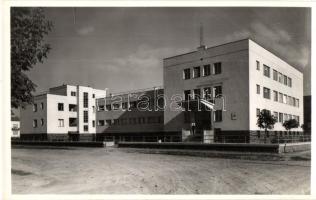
246,75
15,127
66,112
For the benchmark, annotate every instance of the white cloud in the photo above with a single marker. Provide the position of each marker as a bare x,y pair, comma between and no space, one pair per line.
85,30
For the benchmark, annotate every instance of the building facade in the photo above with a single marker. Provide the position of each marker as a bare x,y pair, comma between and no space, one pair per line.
248,77
66,112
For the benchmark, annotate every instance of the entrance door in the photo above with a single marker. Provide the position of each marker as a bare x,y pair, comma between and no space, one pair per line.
202,121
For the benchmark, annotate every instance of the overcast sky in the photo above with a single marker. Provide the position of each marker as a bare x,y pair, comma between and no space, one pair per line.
123,48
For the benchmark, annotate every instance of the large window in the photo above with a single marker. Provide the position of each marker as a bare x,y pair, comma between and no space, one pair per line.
85,100
275,95
266,93
196,72
85,116
266,70
206,70
217,68
186,73
60,107
258,89
218,116
187,95
275,75
60,122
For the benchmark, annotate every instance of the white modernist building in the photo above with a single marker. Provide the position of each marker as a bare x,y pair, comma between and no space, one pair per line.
64,112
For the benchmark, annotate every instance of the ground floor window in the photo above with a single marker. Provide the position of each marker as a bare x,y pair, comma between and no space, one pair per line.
60,122
85,128
218,116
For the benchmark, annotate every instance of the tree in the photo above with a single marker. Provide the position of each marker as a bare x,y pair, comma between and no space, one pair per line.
28,28
291,123
266,121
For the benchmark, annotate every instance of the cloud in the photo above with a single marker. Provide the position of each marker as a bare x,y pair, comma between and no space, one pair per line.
277,39
85,30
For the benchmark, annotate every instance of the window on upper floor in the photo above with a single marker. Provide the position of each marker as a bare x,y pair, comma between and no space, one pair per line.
280,77
280,97
218,90
73,93
266,70
196,72
275,75
34,107
285,98
100,107
257,112
42,106
289,82
207,93
285,80
258,65
85,100
281,117
266,93
60,107
85,116
258,89
42,122
93,123
93,95
275,95
206,70
186,73
85,128
217,68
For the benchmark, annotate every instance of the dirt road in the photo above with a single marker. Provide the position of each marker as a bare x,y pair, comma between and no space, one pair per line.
115,171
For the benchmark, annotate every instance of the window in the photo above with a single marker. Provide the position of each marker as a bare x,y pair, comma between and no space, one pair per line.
218,90
207,93
196,72
100,107
116,122
285,98
186,74
289,82
297,102
60,107
276,115
108,122
275,75
266,70
93,95
101,122
285,117
42,106
116,106
275,95
285,80
207,70
72,122
35,107
93,109
197,93
258,89
93,123
257,112
85,99
108,107
187,95
42,122
281,117
133,104
258,65
280,77
217,68
72,107
60,122
218,116
85,128
266,93
72,93
85,116
280,97
35,123
124,105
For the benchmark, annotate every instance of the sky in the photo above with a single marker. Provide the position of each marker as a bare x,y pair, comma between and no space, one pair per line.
123,48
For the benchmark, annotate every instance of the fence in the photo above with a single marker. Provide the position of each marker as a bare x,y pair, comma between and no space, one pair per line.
262,140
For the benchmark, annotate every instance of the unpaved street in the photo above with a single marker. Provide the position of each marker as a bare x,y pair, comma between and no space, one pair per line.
114,171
